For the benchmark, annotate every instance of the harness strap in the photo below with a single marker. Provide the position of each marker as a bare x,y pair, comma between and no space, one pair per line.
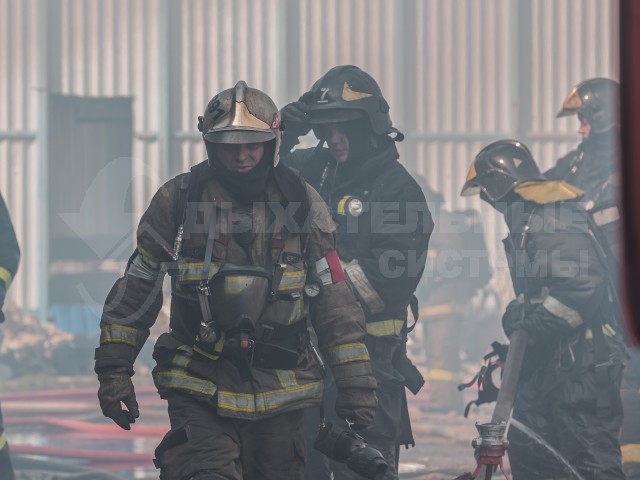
187,192
415,311
203,290
276,248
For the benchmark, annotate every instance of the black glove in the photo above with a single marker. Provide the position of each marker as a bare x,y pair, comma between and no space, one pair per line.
115,387
513,315
357,405
295,117
3,294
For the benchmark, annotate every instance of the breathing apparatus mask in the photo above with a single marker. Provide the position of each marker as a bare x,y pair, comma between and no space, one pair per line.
232,301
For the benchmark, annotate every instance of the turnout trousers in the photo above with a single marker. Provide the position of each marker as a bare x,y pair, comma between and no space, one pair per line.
567,419
202,445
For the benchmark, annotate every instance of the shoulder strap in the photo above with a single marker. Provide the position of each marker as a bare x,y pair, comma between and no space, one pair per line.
204,292
294,190
180,200
188,190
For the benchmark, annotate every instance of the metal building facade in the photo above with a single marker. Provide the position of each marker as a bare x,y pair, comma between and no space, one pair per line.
457,74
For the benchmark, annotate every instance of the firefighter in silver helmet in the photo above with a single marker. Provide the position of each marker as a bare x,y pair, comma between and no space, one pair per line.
384,226
569,388
241,236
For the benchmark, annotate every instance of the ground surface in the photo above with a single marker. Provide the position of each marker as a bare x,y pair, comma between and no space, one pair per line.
442,452
443,443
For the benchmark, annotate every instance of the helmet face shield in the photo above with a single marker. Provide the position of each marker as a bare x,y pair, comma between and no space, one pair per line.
471,186
470,189
232,135
495,185
571,104
241,115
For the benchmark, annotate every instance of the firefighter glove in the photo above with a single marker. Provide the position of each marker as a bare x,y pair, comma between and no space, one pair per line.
357,405
295,117
116,387
513,315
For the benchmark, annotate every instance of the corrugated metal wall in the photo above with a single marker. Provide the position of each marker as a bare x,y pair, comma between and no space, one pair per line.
19,120
457,74
216,43
111,48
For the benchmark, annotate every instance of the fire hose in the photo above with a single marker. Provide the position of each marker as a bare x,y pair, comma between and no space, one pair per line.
87,429
490,446
54,402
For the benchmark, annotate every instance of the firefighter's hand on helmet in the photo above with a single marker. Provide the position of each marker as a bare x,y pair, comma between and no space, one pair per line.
295,117
357,404
115,387
513,315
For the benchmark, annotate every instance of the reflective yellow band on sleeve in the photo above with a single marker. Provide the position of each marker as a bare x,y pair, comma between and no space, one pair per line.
607,329
630,452
177,379
559,309
112,333
385,327
145,268
265,402
340,208
367,294
3,440
606,216
5,276
350,352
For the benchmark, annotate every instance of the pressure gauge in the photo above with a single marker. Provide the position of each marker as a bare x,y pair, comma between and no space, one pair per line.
312,289
355,207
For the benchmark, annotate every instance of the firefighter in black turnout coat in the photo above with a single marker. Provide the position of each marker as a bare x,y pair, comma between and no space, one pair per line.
594,167
383,229
569,388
